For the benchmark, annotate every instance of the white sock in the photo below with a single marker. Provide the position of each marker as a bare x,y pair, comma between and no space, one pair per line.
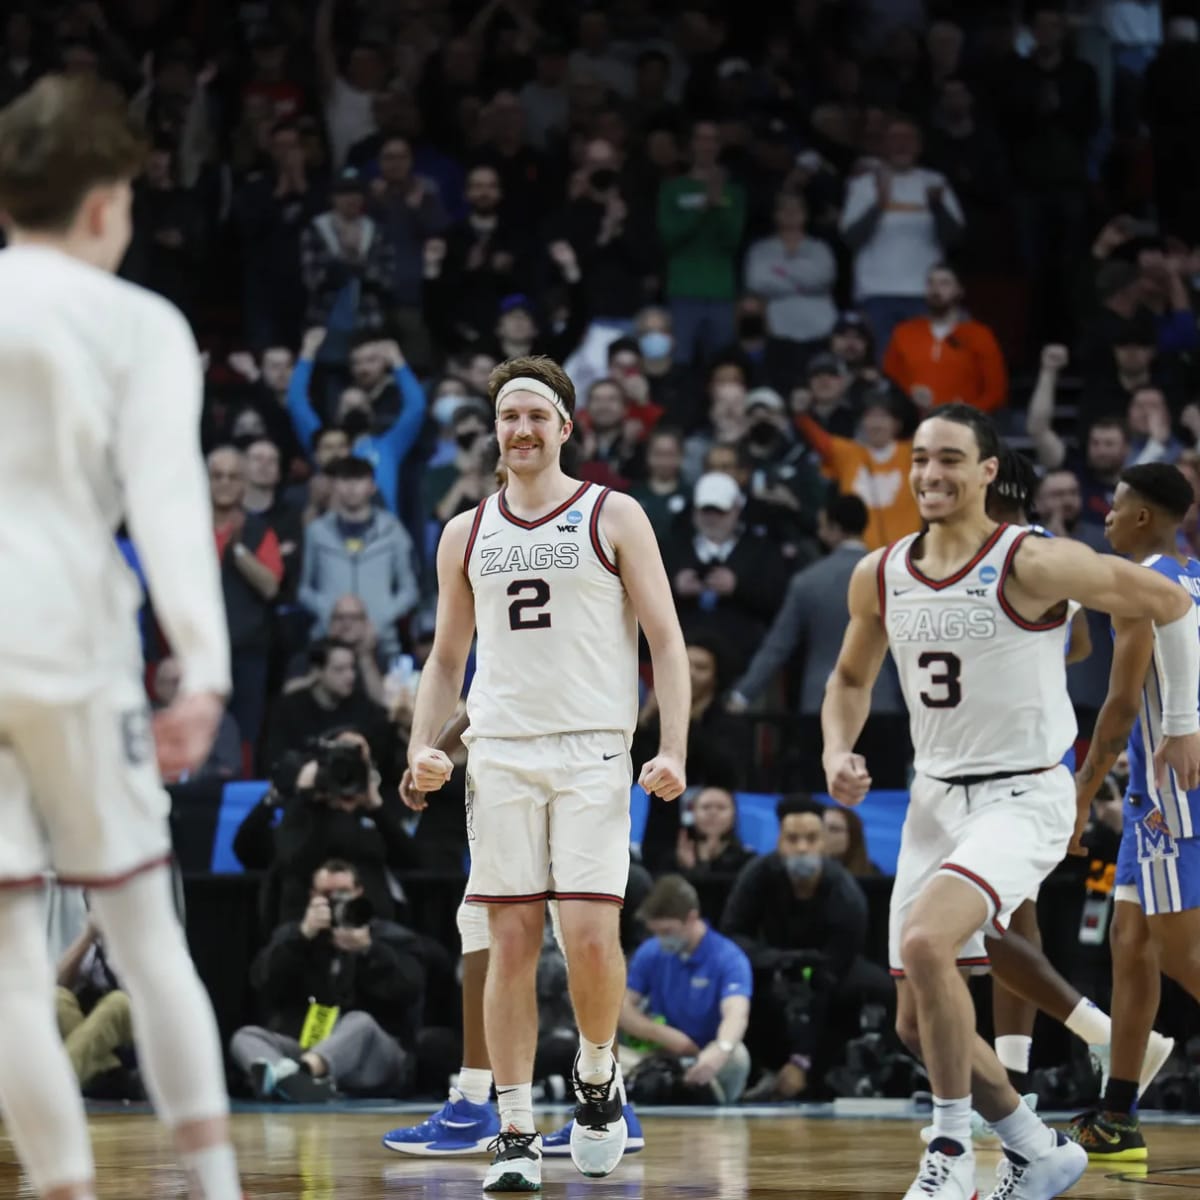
475,1084
1013,1051
1090,1023
516,1106
952,1119
1024,1133
212,1173
595,1060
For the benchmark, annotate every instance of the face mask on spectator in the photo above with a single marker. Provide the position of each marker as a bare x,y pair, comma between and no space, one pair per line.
446,405
467,439
356,422
672,943
803,867
752,325
655,344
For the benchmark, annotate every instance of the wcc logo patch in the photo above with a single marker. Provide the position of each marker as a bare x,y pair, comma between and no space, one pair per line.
574,517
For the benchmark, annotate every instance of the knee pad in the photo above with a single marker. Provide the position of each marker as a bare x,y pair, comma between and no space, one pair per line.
472,922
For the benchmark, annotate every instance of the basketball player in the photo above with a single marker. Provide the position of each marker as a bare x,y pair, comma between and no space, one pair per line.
973,614
1156,911
102,391
555,576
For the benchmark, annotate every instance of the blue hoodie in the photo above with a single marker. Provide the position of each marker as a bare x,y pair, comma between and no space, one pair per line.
384,451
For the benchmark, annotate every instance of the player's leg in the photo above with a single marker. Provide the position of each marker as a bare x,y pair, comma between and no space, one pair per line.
1174,920
39,1093
174,1026
589,847
1111,1133
508,797
92,768
1013,1015
467,1122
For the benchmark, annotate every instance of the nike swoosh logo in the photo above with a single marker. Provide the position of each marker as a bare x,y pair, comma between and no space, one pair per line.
1022,792
901,591
1111,1138
484,537
617,755
460,1124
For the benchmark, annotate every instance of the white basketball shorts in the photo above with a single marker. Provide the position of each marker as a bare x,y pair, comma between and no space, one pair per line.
1002,837
548,818
80,792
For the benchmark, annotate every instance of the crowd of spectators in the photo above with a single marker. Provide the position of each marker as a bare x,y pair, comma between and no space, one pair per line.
764,247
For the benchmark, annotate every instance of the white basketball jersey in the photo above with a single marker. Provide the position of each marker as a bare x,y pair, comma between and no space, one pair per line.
557,648
986,690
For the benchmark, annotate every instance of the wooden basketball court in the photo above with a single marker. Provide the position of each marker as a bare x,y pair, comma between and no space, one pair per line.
328,1155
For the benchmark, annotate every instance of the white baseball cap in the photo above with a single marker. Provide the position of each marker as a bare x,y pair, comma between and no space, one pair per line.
717,490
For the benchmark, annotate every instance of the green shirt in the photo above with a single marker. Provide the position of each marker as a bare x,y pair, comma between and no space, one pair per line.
701,241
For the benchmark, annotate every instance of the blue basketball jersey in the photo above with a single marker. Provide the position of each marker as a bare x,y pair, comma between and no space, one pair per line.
1180,809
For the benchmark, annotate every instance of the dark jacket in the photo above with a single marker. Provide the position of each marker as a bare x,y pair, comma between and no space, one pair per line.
763,914
247,613
387,980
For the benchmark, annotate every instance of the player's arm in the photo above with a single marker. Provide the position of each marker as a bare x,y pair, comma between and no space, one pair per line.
1132,652
640,564
442,676
636,1024
166,496
848,690
1080,649
1050,570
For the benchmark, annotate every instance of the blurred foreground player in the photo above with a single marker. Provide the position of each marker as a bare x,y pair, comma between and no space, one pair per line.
102,390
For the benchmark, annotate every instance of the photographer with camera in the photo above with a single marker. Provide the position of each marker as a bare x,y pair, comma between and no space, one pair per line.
687,1002
802,919
331,806
343,991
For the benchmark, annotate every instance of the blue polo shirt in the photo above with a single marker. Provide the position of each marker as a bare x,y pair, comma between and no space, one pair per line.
688,991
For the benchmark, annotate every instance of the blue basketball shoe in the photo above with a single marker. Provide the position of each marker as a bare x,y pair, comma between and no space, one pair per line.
558,1143
457,1129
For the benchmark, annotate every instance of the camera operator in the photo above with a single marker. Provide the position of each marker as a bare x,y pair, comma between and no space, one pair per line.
802,919
343,992
688,995
331,807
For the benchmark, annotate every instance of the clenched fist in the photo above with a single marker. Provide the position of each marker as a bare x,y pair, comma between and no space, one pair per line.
430,768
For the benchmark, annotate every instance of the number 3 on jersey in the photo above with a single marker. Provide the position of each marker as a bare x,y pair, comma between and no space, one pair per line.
944,671
535,594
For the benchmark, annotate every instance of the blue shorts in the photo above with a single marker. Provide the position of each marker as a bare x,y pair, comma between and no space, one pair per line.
1165,870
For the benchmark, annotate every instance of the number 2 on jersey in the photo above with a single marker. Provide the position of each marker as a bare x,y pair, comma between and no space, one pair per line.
946,677
538,592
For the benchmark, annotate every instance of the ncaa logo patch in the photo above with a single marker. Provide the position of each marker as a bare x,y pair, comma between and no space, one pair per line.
574,517
988,575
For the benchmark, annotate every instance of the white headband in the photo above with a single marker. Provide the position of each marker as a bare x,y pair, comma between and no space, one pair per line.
524,384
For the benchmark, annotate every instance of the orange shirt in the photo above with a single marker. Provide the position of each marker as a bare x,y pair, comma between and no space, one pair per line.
879,481
965,365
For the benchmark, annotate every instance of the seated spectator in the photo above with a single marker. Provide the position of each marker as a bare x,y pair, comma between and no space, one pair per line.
663,494
321,803
348,268
329,443
853,350
945,356
874,466
795,274
251,572
725,421
331,696
899,219
710,844
808,630
1149,425
846,841
343,991
349,625
802,919
225,758
608,440
1134,362
627,367
688,993
264,499
464,484
672,383
385,451
722,573
94,1017
360,550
